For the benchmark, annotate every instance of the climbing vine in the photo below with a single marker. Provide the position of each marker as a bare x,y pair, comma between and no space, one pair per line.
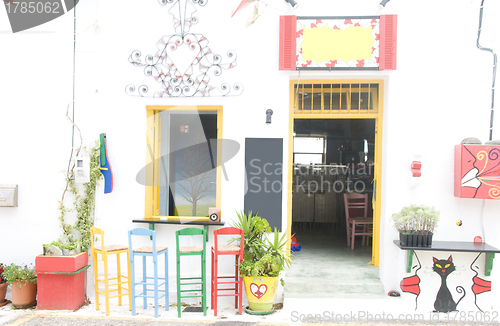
77,237
84,204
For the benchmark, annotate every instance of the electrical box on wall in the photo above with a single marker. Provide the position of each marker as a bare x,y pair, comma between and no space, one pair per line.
477,171
82,169
8,195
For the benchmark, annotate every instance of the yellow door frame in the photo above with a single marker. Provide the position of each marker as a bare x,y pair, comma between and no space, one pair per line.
341,114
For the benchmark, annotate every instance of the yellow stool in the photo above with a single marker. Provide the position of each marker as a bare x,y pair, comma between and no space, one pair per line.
105,251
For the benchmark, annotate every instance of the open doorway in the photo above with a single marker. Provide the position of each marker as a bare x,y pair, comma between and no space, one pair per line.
331,157
344,119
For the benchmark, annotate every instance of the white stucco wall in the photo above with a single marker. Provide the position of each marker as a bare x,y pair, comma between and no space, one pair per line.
439,95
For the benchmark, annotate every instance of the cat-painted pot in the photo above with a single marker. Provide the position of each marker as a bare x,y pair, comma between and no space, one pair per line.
260,292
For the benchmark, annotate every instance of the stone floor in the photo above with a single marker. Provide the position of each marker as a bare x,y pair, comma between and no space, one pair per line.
326,267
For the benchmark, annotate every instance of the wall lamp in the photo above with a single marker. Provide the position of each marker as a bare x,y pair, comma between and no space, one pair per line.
384,2
269,113
295,5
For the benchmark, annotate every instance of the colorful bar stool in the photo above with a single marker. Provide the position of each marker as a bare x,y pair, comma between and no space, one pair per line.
105,251
220,250
149,283
189,281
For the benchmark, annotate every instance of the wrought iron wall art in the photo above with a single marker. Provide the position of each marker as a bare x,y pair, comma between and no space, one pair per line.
184,63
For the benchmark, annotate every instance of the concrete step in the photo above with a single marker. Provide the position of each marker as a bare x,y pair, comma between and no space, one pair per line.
332,289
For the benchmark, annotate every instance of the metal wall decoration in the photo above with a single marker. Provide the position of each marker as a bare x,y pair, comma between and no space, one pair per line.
184,63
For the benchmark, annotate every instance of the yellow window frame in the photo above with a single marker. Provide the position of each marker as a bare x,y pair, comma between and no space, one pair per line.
153,145
353,88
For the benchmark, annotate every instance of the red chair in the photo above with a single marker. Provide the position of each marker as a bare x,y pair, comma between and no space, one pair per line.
220,250
356,211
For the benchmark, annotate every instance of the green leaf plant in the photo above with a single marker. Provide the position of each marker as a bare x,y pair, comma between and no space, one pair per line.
14,273
77,236
261,256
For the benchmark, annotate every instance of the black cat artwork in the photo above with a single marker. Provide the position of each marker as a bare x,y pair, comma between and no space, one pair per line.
444,300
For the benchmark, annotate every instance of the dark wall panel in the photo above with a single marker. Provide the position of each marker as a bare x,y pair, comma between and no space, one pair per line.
264,173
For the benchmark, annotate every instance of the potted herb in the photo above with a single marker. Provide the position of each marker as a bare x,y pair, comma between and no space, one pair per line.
3,287
23,280
416,224
263,260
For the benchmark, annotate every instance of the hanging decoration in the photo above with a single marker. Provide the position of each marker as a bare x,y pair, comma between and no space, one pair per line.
184,64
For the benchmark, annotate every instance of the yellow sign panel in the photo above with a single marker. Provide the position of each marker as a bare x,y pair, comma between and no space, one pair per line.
324,43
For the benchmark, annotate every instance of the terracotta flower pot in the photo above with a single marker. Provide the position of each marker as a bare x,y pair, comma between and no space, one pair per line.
25,296
3,292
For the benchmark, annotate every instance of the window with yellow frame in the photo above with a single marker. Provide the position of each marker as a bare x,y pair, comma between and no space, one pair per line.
336,98
183,161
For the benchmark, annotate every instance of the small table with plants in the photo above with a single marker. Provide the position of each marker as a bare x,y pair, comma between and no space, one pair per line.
457,246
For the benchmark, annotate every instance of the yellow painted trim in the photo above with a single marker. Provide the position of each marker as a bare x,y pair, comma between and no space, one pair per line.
148,207
290,170
22,320
378,176
329,114
183,218
156,167
346,115
152,195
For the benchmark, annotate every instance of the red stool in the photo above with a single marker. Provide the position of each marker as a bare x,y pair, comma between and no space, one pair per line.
236,279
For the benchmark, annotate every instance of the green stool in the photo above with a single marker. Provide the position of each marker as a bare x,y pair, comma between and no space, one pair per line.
188,281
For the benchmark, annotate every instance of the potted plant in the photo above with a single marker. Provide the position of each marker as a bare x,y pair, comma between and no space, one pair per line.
23,281
416,224
3,287
263,260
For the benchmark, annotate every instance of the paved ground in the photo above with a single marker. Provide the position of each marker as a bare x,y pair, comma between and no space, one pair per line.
120,316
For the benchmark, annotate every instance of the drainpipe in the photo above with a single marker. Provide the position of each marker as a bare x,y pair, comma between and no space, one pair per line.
494,68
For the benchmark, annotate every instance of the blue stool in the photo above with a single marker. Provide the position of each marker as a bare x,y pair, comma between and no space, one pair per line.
153,284
183,281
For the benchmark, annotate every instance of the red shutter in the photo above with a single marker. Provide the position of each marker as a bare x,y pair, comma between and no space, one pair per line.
388,40
288,29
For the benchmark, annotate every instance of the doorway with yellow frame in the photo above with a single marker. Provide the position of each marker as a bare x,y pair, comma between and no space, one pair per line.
334,133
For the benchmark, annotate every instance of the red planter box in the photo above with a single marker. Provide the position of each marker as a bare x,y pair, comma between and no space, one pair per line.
61,281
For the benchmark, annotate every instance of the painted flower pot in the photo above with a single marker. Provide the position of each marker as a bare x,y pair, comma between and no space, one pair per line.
23,294
3,292
260,292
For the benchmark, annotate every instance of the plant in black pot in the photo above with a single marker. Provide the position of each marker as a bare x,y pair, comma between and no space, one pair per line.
416,224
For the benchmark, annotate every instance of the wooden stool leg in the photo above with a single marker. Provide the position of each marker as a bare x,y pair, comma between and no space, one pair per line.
144,286
155,282
96,282
129,283
364,236
119,280
106,283
215,289
236,280
212,283
204,283
178,285
167,295
132,279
